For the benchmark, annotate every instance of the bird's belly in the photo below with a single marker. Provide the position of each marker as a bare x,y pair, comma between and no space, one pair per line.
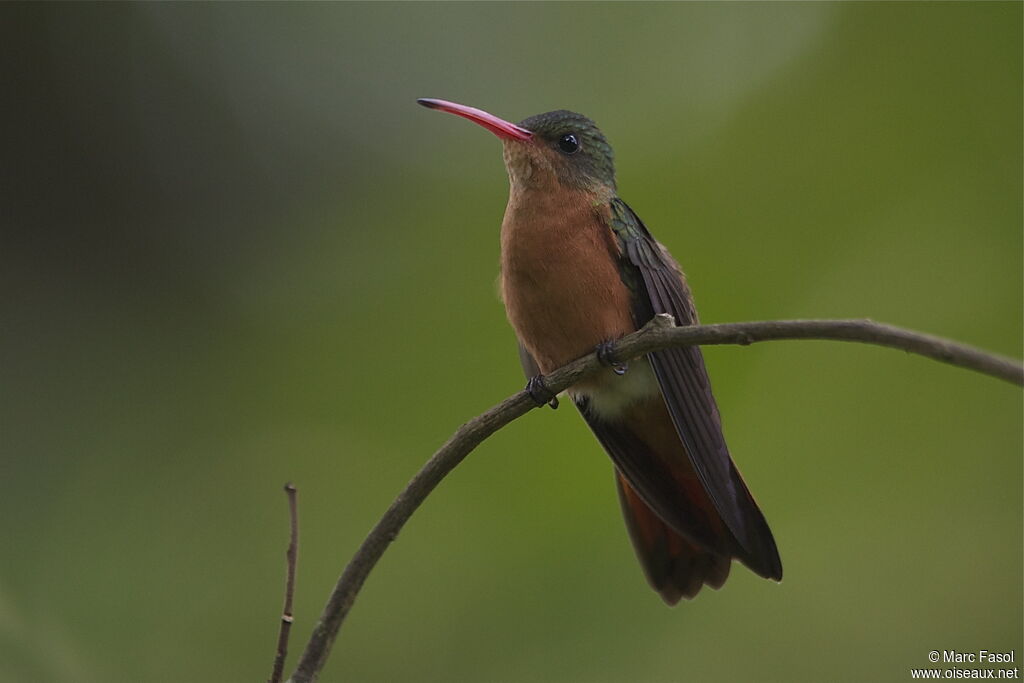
610,395
565,302
561,321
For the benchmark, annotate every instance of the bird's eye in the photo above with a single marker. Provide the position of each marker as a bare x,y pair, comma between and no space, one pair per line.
568,144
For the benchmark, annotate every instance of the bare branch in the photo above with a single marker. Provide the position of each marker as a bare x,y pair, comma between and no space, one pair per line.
659,333
289,586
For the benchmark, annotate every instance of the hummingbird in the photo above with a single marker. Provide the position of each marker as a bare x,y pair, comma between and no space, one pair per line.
579,269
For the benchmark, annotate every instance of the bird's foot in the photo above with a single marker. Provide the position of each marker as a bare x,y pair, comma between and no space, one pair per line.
606,356
540,393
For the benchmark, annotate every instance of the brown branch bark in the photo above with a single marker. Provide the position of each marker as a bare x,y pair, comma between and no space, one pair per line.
659,333
292,556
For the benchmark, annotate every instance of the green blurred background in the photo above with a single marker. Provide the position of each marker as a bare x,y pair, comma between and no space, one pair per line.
236,253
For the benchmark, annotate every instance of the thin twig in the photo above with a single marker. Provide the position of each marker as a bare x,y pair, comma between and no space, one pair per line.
289,585
660,333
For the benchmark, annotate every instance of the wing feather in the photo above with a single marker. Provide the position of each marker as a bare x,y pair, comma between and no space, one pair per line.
684,383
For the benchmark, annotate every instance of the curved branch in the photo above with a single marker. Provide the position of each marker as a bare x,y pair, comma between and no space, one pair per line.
659,333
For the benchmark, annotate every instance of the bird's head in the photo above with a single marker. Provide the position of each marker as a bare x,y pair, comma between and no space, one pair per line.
558,147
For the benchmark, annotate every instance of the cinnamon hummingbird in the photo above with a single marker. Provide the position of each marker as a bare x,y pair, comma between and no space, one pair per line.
579,270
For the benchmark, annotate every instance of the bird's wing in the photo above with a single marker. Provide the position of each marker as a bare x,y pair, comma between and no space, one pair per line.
530,367
659,287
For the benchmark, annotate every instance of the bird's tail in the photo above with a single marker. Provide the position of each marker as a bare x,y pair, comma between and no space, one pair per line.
675,567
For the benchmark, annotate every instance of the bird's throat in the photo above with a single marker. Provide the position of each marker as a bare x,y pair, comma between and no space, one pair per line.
527,167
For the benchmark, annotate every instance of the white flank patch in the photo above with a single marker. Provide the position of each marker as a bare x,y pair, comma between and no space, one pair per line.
614,393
